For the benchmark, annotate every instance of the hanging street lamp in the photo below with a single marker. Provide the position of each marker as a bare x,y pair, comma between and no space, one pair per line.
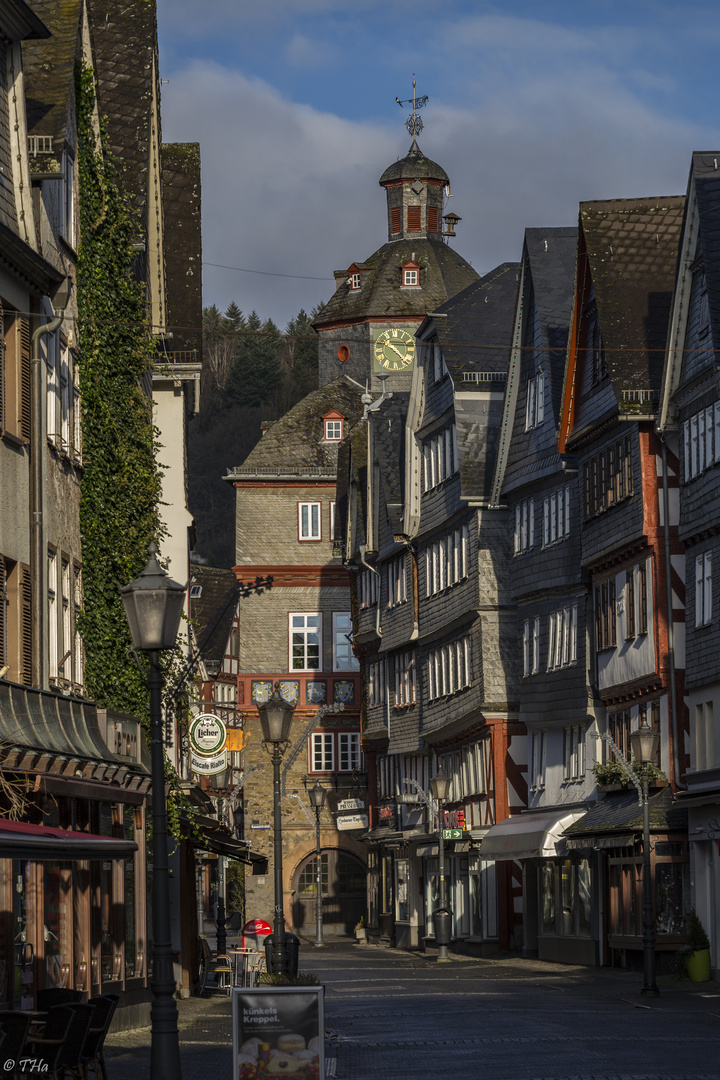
644,743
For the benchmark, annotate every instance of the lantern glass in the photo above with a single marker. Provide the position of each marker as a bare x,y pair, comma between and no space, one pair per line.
317,796
440,786
644,743
276,717
153,605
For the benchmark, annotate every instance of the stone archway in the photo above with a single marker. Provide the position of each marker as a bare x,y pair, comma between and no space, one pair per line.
343,885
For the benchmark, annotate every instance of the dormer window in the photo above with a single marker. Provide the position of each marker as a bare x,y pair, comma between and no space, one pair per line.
354,281
334,425
410,275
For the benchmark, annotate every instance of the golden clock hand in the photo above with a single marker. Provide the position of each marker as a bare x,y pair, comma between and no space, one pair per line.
395,349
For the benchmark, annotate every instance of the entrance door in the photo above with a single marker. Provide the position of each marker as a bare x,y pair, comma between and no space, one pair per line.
343,890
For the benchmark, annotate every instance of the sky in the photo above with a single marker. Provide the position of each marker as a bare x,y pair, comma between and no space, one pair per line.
533,108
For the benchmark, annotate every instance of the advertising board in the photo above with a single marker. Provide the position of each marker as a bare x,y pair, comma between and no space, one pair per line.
278,1031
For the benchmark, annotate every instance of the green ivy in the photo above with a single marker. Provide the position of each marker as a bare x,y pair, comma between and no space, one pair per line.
120,493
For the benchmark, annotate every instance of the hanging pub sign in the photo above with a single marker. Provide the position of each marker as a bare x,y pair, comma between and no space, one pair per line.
278,1031
208,766
208,735
454,819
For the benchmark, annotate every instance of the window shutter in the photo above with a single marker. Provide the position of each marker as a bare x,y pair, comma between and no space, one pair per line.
25,626
413,218
432,219
396,219
23,344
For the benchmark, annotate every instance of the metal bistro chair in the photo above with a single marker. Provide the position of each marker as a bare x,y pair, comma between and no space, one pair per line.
15,1027
57,995
92,1051
220,966
49,1044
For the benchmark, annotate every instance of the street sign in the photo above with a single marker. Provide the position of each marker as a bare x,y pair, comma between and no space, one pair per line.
352,821
208,735
208,766
452,834
236,739
351,804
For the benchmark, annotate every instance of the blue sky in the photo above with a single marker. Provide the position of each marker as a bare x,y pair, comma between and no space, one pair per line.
533,108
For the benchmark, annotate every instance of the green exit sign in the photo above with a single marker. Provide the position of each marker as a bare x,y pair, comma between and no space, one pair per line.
452,834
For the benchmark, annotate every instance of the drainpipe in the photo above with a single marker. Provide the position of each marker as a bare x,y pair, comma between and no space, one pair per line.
672,702
37,523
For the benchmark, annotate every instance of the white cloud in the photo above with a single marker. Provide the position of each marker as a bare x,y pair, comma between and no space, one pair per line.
305,52
292,189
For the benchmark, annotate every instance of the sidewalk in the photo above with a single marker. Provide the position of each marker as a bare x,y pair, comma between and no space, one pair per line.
399,1016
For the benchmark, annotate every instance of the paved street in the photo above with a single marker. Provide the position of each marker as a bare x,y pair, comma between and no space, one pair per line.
399,1016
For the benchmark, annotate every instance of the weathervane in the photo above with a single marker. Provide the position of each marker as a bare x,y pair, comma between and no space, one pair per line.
413,123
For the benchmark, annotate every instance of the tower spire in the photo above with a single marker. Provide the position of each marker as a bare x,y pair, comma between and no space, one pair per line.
414,122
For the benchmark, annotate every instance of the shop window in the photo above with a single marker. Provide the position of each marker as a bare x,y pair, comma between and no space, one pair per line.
672,896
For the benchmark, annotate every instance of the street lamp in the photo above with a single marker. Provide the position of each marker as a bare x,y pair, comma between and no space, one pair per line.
317,798
275,719
440,787
644,743
153,606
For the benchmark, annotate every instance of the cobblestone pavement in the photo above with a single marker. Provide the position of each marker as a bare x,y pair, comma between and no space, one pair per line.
391,1015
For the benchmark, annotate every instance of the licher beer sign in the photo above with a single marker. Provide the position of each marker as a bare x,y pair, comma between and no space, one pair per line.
208,735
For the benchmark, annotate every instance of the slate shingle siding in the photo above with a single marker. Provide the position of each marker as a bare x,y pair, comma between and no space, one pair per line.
463,704
702,643
447,607
561,695
397,621
698,355
440,504
699,496
611,528
556,566
439,397
8,215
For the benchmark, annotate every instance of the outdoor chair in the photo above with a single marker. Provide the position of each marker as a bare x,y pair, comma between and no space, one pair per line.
69,1060
49,1044
57,995
92,1056
15,1027
219,966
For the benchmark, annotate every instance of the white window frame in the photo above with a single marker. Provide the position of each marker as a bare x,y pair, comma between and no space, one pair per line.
376,676
338,632
354,282
68,230
405,679
526,647
397,581
703,589
309,527
349,755
333,430
536,645
305,631
322,752
368,588
410,278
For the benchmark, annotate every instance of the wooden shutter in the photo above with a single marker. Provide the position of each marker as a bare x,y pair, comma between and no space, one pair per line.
413,218
396,219
23,346
25,626
432,219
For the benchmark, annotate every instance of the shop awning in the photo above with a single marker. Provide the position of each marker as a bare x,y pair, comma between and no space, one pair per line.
529,836
209,835
617,820
41,843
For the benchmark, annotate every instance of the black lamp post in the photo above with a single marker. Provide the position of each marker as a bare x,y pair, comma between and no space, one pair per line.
317,798
644,743
153,606
275,720
440,787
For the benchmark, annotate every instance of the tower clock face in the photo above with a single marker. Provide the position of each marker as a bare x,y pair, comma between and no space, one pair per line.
394,350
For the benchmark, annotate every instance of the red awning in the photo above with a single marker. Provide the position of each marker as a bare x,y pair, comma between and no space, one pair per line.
41,843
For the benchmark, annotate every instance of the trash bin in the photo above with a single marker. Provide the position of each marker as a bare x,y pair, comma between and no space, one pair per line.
254,934
442,920
292,948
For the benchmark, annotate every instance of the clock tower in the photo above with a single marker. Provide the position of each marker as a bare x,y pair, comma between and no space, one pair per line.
368,326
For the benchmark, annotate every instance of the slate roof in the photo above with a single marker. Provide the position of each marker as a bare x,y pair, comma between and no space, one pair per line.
49,71
295,445
706,175
632,247
414,166
617,813
443,273
389,444
183,243
476,336
550,258
124,42
213,612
